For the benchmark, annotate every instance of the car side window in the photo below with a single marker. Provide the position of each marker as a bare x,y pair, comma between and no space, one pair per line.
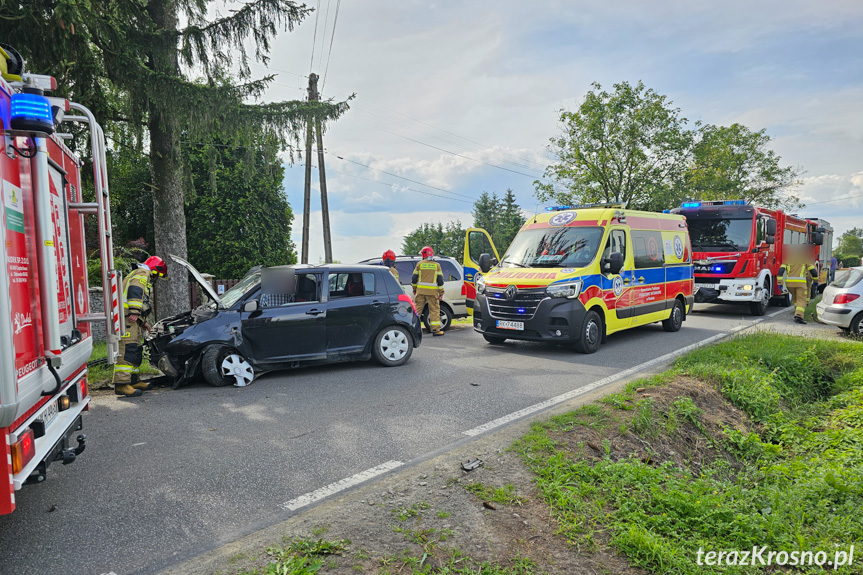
406,271
351,284
450,273
308,288
647,248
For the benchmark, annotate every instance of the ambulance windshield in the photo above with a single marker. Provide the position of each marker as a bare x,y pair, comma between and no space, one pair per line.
715,233
553,247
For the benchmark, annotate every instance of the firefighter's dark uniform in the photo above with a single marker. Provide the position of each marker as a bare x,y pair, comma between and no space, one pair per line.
136,301
427,282
798,280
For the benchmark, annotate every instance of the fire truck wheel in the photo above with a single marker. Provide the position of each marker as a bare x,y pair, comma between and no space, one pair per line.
675,320
223,365
760,307
590,335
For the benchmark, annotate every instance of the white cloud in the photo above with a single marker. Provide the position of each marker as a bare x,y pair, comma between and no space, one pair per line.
837,199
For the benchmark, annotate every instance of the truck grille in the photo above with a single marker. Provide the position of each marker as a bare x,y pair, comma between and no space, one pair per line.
523,306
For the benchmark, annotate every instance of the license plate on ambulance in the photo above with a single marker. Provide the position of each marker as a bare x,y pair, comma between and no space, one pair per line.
49,414
515,325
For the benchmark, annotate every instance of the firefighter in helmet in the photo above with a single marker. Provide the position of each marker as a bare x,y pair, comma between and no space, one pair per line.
389,260
797,276
136,303
427,282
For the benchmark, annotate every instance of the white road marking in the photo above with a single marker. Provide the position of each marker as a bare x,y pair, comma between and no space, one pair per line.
597,384
326,491
137,444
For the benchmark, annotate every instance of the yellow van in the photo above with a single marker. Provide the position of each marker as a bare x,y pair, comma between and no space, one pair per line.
580,273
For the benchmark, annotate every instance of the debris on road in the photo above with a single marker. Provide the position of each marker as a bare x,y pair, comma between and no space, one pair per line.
471,464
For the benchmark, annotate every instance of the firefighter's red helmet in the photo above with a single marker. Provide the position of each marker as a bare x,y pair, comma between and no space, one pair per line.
157,266
427,252
389,255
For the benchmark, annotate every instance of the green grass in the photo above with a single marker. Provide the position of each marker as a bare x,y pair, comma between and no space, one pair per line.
798,479
504,495
101,374
810,314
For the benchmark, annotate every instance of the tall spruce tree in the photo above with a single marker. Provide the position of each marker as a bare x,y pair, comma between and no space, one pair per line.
152,64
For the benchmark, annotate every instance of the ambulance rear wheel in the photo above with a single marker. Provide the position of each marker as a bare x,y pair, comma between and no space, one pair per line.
590,334
494,339
675,320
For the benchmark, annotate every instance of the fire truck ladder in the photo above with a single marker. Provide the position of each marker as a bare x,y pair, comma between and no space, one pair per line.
111,280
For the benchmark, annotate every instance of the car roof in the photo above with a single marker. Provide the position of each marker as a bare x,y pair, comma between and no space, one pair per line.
329,267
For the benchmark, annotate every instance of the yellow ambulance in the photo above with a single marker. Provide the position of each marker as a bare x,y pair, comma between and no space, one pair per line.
580,273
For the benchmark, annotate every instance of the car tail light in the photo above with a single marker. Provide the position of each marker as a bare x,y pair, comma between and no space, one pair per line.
23,451
464,289
409,299
845,298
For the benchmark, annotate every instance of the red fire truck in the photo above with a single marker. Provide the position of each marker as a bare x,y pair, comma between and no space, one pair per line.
737,249
45,318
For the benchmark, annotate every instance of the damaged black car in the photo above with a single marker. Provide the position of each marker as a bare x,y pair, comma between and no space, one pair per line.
284,317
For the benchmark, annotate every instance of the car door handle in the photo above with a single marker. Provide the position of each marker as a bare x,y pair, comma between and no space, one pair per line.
641,280
626,281
376,303
314,311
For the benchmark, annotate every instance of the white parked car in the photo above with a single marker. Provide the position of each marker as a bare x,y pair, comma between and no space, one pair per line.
453,304
842,302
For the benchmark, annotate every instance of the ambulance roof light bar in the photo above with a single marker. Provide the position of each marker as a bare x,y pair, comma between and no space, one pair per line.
714,203
617,205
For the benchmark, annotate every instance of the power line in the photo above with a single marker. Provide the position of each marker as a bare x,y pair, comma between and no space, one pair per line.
332,35
324,36
835,200
314,38
390,185
401,177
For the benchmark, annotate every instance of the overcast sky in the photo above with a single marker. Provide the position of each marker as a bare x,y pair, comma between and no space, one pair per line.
485,80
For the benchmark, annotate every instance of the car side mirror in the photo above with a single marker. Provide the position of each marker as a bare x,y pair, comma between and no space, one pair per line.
770,240
818,238
613,263
251,305
485,262
771,227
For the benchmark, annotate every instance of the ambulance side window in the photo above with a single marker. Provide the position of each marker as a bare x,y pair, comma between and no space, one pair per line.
616,243
647,247
478,244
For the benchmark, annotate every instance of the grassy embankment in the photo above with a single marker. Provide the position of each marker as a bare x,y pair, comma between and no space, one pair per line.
788,475
100,374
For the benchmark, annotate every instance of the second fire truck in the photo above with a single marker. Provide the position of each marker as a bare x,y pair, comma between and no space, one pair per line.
738,248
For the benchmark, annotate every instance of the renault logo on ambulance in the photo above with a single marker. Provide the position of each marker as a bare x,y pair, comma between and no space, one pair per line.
580,275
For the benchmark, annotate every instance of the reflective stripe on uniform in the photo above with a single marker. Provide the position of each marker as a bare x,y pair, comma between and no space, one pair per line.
126,368
427,285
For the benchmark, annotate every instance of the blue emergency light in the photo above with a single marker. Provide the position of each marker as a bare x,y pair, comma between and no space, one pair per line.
31,113
521,310
557,208
715,203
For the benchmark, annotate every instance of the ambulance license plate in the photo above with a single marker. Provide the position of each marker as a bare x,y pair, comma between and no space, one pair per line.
516,325
707,286
49,414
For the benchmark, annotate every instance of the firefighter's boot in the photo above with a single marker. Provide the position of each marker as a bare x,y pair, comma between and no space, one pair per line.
142,385
126,390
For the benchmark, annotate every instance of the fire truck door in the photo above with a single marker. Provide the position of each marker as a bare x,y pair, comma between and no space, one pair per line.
61,241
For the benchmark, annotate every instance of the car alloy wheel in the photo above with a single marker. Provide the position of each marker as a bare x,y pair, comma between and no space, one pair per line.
234,365
394,345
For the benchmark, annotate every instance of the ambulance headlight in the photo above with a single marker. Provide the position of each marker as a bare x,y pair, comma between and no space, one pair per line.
569,289
480,284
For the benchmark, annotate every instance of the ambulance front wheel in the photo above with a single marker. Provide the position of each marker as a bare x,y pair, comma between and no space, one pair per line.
675,320
590,334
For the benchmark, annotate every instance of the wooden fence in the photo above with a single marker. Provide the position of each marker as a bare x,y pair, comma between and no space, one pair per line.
195,295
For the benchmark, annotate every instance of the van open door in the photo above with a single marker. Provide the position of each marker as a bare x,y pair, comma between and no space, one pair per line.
477,241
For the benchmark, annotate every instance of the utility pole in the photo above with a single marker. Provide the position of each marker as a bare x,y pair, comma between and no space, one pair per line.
307,189
314,96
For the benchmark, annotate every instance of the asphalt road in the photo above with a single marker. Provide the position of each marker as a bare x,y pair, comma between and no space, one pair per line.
178,472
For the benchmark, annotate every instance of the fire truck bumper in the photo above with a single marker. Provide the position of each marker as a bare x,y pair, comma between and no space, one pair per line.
737,290
61,442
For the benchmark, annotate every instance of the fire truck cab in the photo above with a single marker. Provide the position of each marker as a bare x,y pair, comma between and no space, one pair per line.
45,316
738,249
